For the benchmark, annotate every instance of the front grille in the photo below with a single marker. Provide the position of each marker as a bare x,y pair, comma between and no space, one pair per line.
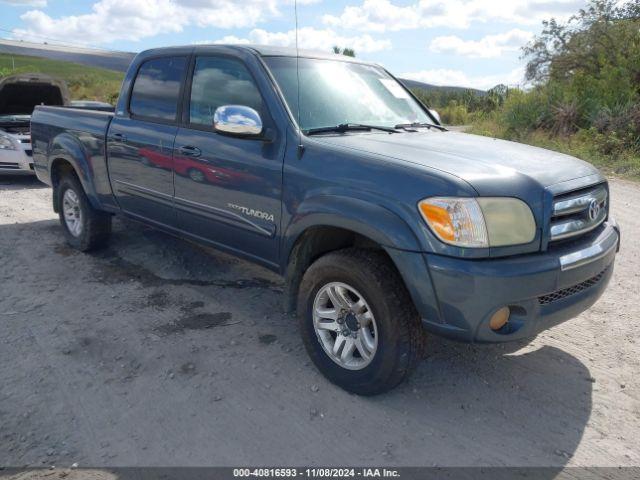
10,165
567,292
578,212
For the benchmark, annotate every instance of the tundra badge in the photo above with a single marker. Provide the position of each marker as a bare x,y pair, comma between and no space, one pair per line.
252,212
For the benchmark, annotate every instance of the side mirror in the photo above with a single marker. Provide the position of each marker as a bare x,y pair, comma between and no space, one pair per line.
237,120
436,115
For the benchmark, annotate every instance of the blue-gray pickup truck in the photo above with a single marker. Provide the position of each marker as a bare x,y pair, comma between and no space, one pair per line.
329,171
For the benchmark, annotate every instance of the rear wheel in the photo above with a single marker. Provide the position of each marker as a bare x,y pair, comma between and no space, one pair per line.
358,322
85,228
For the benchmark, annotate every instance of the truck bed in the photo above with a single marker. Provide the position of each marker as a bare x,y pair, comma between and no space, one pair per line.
55,131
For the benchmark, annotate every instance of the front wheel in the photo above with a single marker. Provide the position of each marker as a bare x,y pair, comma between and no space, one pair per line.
85,228
358,322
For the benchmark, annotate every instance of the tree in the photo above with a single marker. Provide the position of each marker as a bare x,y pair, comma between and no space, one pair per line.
349,52
604,34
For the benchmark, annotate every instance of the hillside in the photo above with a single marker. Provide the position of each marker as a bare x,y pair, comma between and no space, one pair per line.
120,60
427,87
96,83
110,60
85,83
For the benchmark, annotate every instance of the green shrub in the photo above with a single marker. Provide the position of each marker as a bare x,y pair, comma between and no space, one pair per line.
523,112
454,114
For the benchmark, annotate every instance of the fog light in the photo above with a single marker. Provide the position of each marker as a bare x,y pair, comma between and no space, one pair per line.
500,318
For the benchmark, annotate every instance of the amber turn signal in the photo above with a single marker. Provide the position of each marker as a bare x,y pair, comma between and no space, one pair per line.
440,220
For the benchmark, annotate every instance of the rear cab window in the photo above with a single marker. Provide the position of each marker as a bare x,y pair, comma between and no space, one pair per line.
156,90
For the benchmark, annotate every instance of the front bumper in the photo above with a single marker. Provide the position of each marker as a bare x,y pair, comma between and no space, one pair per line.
541,289
17,162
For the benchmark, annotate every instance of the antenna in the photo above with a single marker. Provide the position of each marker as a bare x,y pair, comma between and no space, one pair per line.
300,145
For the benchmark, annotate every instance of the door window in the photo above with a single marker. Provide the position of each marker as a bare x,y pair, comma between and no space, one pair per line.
156,89
217,82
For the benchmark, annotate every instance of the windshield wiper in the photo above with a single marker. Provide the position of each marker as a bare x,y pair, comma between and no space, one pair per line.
347,127
406,126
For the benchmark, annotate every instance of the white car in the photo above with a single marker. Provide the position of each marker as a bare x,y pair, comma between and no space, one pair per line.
15,145
19,94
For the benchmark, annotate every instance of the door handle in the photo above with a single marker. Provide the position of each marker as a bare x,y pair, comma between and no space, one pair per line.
190,151
119,137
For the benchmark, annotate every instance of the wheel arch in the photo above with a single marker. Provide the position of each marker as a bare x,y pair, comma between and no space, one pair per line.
67,154
332,223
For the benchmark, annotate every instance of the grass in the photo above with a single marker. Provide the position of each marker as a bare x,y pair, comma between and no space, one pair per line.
85,83
585,144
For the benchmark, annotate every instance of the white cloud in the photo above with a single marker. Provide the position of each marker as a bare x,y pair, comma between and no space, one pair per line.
384,15
230,13
491,46
26,3
459,78
311,38
111,20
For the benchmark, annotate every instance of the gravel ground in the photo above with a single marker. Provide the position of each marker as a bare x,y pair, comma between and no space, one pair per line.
158,352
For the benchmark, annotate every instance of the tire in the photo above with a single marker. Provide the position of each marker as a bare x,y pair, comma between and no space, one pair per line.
399,336
93,227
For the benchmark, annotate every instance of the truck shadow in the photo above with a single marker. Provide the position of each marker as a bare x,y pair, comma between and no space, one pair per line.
513,404
466,405
20,182
525,408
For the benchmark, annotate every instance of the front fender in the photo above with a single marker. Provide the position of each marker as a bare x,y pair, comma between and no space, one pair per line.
370,220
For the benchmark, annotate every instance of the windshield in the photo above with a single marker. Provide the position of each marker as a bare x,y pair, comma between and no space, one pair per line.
335,92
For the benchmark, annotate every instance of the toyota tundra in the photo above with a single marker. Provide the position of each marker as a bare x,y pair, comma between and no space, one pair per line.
327,170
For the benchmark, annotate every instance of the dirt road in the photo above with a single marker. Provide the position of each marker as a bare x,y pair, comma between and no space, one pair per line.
157,352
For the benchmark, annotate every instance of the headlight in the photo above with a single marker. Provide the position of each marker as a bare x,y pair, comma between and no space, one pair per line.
6,143
479,222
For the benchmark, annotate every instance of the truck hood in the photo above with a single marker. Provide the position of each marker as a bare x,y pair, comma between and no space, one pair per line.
485,163
19,94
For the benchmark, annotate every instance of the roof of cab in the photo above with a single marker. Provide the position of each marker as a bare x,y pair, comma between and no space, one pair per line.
271,51
262,50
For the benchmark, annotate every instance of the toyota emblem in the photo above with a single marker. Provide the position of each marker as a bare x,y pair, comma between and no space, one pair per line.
594,210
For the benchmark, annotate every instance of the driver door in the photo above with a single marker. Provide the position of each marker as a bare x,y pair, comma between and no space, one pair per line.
227,189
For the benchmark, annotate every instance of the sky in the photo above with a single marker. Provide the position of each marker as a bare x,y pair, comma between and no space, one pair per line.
470,43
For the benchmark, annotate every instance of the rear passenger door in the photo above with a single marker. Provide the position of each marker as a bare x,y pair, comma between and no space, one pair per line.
140,142
228,189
